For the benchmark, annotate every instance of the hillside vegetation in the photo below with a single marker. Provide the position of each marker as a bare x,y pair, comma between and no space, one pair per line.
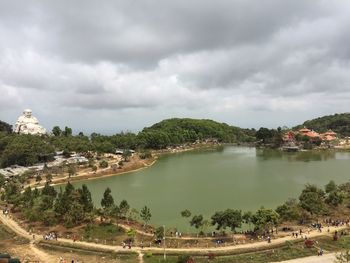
5,127
339,123
189,130
28,149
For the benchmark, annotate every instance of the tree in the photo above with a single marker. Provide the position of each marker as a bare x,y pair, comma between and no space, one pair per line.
74,216
27,197
86,199
335,198
264,134
72,170
312,199
145,215
107,200
186,214
94,168
228,218
103,164
67,131
49,190
289,210
133,214
124,208
57,131
5,127
247,218
131,233
126,155
197,221
265,219
330,187
159,232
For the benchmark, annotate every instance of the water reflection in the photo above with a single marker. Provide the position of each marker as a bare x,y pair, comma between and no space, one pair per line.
304,156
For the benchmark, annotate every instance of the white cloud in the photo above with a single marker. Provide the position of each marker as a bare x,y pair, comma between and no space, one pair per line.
120,65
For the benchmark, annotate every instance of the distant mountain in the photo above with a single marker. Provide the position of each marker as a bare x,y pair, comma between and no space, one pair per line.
5,127
339,123
181,130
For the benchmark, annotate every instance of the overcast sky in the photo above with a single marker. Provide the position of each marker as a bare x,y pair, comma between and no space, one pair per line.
108,66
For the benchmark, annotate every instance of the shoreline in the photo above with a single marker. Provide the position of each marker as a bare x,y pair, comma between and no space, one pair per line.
141,165
88,176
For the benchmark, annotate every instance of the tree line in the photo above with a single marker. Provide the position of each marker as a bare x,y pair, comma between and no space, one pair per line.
74,206
29,149
70,206
339,123
312,203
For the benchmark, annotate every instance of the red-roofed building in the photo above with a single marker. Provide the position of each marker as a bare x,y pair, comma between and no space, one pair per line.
329,136
304,130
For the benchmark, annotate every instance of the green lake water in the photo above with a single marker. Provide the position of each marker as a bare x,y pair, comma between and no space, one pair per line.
211,180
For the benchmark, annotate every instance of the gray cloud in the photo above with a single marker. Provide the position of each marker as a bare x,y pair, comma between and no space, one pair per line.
230,60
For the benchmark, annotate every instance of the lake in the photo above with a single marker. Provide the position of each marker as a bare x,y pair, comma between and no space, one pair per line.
206,181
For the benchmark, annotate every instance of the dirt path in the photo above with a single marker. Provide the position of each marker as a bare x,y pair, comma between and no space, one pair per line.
86,245
44,257
326,258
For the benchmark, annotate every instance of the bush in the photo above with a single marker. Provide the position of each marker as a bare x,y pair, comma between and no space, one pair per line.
309,243
185,259
145,155
103,164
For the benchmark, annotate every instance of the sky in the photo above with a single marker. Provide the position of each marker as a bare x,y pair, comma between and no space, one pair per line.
111,66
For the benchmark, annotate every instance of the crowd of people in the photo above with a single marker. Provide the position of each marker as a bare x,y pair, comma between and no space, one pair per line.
50,236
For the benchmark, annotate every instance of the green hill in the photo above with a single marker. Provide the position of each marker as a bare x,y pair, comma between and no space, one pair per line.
181,130
339,123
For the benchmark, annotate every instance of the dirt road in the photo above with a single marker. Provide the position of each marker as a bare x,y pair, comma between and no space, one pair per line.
326,258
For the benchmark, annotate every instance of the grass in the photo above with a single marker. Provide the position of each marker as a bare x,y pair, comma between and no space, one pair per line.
127,257
6,234
104,231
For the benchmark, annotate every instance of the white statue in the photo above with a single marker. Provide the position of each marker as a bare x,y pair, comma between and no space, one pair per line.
28,124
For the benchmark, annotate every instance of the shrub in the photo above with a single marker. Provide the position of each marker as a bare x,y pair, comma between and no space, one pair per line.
103,164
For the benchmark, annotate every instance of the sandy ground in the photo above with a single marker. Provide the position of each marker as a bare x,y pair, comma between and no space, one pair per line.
326,258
